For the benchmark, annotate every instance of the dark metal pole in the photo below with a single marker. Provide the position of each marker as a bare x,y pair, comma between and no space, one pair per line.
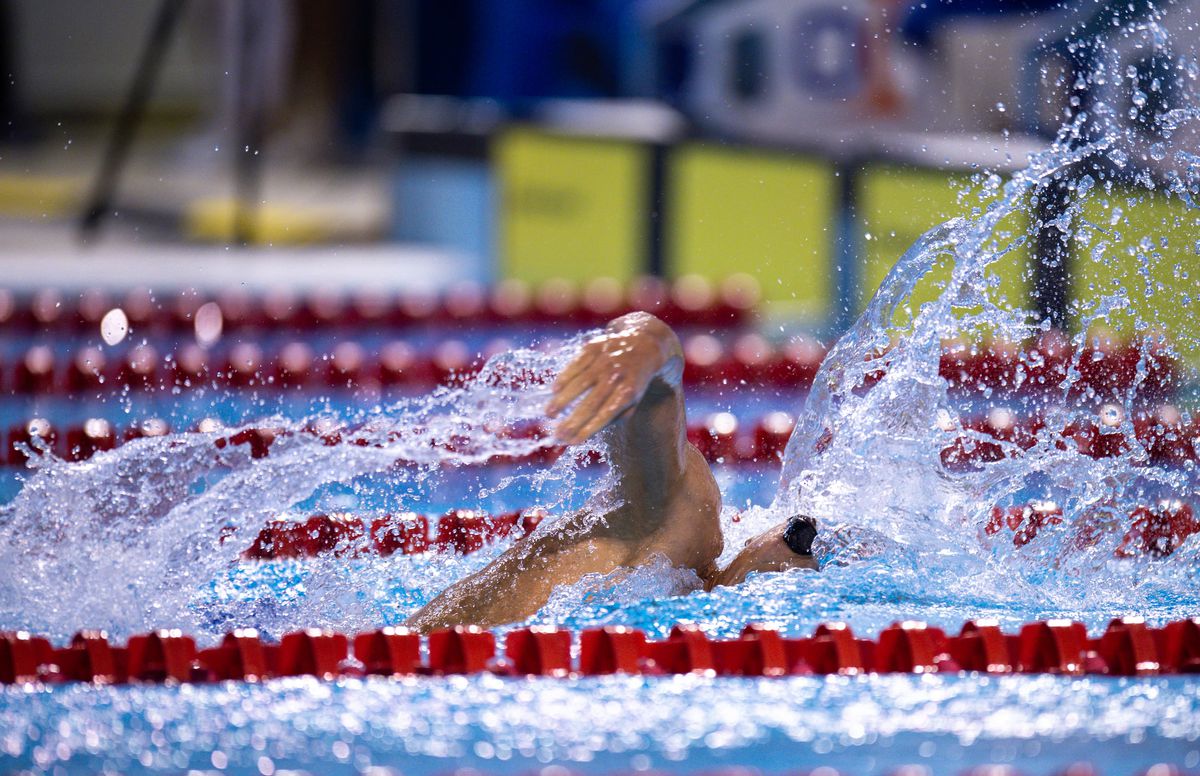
848,250
656,257
1052,250
117,152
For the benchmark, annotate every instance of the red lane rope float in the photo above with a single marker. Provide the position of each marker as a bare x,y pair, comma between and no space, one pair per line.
296,366
1128,647
720,438
1106,366
751,359
690,300
1161,432
1154,531
1163,435
461,530
748,360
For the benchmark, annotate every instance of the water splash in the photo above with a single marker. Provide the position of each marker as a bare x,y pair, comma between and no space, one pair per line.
868,456
134,538
868,452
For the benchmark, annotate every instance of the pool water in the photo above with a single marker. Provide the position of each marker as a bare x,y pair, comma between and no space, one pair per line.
859,725
1039,724
130,540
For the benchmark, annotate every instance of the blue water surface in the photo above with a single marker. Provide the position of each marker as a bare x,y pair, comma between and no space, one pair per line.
859,725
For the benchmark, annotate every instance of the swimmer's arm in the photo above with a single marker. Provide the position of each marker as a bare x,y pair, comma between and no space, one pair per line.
519,583
630,379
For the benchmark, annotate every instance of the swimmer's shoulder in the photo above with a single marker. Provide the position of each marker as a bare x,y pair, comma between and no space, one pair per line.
699,487
695,520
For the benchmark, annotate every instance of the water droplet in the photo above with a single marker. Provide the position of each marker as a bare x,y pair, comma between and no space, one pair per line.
208,323
114,326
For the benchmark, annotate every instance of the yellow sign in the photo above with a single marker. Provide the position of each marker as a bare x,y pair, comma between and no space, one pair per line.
770,215
1137,258
899,204
571,207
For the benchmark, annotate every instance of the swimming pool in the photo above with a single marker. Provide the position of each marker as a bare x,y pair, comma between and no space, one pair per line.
152,534
870,723
859,724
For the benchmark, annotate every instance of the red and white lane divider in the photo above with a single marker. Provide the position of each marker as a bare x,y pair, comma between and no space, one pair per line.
720,438
1153,530
461,531
294,366
1162,434
297,366
1105,371
690,300
1128,647
1105,365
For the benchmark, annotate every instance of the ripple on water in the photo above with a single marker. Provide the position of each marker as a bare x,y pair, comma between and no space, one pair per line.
506,725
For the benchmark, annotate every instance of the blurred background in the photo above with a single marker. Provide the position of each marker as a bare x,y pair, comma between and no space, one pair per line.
406,144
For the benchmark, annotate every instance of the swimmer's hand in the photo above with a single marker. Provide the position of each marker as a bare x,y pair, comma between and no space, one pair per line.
613,370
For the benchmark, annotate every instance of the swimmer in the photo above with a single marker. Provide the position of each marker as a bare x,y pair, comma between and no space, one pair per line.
626,380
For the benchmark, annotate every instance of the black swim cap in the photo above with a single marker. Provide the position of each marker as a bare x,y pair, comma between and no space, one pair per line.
799,534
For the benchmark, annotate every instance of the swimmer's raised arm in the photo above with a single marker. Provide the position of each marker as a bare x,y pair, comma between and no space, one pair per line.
665,502
630,378
614,370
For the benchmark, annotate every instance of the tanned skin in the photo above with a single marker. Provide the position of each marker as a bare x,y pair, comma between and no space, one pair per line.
628,380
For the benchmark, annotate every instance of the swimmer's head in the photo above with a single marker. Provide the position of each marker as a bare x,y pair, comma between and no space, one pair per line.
783,547
798,534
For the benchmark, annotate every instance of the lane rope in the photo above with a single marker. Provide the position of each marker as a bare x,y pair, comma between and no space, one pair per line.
1128,647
